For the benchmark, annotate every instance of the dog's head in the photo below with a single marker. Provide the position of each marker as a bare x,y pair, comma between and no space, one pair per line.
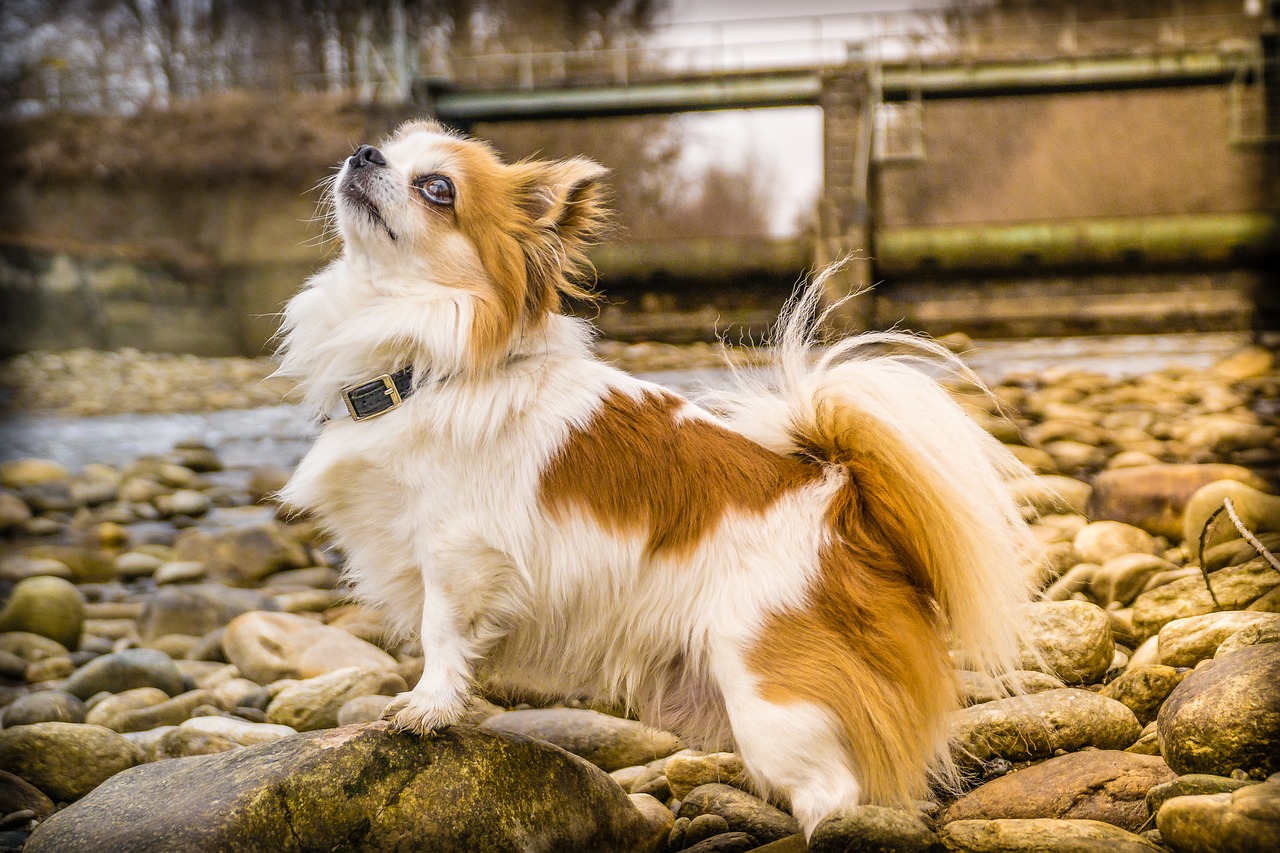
431,206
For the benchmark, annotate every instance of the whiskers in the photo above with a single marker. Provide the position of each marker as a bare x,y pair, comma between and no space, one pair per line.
325,214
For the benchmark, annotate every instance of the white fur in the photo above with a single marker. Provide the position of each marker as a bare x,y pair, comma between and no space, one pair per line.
436,506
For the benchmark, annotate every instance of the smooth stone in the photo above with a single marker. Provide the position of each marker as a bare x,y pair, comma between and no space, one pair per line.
1248,363
976,687
49,669
1106,540
90,565
171,712
1143,689
1070,640
21,473
240,691
743,812
1024,728
66,760
20,567
183,743
47,706
1259,512
48,606
1122,579
126,670
872,829
105,711
727,842
1236,588
360,787
608,742
658,815
1243,821
267,647
1103,785
187,502
241,556
1041,835
1154,497
1048,494
13,511
12,667
686,772
1192,784
1256,634
1187,641
364,709
1237,551
702,827
1225,716
175,572
31,647
19,795
136,564
239,731
314,703
197,609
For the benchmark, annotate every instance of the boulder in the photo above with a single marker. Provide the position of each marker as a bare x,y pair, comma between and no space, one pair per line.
267,647
1225,716
1024,728
66,760
360,788
1154,497
1246,820
1095,784
610,743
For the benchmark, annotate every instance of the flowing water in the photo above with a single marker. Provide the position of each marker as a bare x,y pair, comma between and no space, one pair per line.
279,435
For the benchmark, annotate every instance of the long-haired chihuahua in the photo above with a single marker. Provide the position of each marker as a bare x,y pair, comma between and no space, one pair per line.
793,571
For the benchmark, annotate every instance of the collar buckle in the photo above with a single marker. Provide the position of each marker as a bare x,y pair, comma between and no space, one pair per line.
370,399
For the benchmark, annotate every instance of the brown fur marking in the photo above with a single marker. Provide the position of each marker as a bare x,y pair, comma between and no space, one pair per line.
868,646
636,468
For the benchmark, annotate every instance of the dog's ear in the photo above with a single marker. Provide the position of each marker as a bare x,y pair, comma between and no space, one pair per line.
567,199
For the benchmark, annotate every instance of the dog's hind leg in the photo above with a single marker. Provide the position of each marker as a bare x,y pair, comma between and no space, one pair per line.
793,750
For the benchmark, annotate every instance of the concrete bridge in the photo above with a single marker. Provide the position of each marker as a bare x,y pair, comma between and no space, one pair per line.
866,100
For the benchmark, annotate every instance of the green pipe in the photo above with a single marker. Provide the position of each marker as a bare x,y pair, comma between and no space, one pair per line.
1220,239
803,87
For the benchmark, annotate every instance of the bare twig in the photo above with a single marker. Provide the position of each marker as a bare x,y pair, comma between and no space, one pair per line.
1248,536
1204,534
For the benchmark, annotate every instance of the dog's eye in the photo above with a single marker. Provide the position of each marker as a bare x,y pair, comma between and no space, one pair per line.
436,189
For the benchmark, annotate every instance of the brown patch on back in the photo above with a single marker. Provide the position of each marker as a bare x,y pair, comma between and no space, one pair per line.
635,468
868,645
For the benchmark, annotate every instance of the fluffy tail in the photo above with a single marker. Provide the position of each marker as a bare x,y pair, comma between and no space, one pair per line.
926,476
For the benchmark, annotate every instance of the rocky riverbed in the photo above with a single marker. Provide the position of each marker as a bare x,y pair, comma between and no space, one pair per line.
181,667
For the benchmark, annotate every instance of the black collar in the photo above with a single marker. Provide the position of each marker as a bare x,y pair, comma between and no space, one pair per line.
378,396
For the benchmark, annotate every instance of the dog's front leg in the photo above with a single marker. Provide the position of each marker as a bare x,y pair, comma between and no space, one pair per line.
440,697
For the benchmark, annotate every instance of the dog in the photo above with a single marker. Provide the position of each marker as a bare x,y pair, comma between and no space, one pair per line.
793,571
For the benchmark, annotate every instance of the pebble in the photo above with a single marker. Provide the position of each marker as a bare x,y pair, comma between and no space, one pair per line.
241,556
686,772
31,647
21,473
1255,634
48,606
1096,784
742,812
1259,512
1154,497
18,567
363,709
49,669
126,670
1187,641
874,829
1106,540
1024,728
106,711
46,706
239,731
608,742
1070,640
1039,835
1245,820
13,511
66,760
197,609
267,647
175,572
1143,689
1236,588
182,743
1191,784
1049,494
314,703
1225,716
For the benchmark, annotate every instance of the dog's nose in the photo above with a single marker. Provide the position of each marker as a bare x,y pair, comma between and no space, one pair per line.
365,155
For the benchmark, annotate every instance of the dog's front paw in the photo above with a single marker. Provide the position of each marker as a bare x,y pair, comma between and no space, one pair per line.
415,712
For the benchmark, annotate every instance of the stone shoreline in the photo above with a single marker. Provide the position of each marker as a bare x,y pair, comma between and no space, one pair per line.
181,666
